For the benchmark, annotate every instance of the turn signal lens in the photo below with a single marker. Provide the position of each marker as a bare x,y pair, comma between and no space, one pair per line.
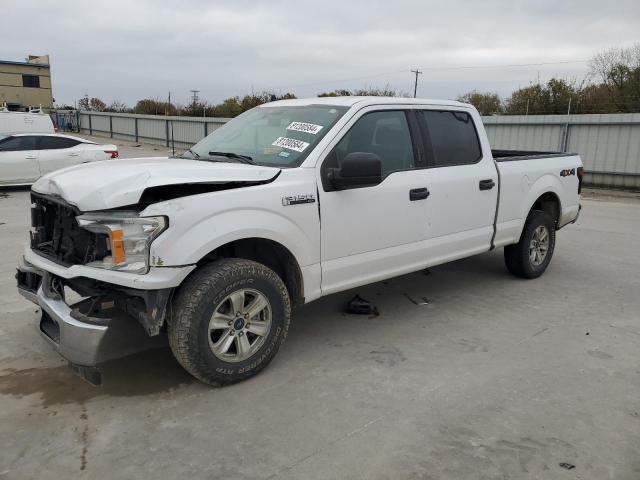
117,247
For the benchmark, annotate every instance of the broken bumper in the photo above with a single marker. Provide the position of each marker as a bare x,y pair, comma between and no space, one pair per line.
86,333
76,340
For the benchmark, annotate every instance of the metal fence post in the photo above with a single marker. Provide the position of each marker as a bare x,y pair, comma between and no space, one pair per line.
90,126
135,125
111,126
565,139
206,129
166,131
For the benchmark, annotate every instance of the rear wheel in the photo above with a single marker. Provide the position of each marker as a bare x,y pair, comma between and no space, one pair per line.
530,257
229,319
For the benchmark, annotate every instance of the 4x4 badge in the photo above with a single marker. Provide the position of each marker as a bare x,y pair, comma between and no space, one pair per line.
298,199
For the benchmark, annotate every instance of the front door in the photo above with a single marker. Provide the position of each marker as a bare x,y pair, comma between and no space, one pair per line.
373,232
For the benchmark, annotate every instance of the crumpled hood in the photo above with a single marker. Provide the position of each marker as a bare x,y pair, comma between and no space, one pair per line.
116,183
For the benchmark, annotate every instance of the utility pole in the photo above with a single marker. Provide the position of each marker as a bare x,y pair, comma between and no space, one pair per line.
194,100
415,86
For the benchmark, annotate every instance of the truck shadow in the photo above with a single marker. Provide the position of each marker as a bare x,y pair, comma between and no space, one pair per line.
156,371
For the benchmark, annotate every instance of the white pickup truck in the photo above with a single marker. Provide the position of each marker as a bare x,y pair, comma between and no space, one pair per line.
290,201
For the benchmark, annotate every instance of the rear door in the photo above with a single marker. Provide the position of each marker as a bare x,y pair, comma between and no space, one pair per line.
58,152
18,160
463,185
378,231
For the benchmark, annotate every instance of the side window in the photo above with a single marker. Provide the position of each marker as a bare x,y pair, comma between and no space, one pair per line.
18,144
31,81
54,143
453,137
384,133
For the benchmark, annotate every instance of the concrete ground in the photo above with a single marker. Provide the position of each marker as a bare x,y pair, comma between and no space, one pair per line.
491,378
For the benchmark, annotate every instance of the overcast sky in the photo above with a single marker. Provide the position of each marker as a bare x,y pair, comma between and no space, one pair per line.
130,49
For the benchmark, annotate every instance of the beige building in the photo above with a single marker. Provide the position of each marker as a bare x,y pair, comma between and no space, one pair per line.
26,84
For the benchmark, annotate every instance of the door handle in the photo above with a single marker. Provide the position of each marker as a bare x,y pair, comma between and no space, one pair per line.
30,157
418,194
487,184
74,154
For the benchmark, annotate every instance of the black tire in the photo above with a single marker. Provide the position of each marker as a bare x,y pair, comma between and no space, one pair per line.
194,304
517,257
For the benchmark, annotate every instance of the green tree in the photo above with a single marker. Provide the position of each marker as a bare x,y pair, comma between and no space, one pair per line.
367,91
487,103
539,99
234,106
336,93
154,106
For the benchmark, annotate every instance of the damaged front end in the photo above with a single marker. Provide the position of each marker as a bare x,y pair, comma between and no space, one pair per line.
86,320
90,322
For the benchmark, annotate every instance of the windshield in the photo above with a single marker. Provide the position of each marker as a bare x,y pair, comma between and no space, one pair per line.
274,136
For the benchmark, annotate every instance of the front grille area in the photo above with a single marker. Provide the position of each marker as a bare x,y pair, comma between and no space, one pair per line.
55,233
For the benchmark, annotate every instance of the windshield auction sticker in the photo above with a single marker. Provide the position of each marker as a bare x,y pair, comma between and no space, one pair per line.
305,127
291,144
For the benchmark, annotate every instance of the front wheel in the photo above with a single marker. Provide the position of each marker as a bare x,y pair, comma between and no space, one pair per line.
229,319
530,257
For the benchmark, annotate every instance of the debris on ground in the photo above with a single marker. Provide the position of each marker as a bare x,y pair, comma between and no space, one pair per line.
423,300
360,306
568,466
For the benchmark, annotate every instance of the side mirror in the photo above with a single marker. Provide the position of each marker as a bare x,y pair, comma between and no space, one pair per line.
359,169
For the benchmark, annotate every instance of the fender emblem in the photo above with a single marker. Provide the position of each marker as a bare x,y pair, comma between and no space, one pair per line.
298,199
567,172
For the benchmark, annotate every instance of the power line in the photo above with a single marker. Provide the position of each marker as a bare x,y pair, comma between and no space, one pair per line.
324,82
194,97
433,69
512,65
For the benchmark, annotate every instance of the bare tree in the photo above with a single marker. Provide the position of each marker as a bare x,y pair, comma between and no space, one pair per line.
619,71
118,107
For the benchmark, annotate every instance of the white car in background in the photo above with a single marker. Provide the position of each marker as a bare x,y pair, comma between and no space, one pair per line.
25,157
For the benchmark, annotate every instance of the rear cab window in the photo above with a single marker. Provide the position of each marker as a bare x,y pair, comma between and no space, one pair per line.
450,138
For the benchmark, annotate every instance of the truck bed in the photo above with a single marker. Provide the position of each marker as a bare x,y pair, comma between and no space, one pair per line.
515,155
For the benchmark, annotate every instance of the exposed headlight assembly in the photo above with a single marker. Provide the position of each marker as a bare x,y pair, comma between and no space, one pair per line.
129,238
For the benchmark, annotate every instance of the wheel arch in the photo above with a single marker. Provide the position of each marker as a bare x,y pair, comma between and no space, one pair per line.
548,202
269,253
545,194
